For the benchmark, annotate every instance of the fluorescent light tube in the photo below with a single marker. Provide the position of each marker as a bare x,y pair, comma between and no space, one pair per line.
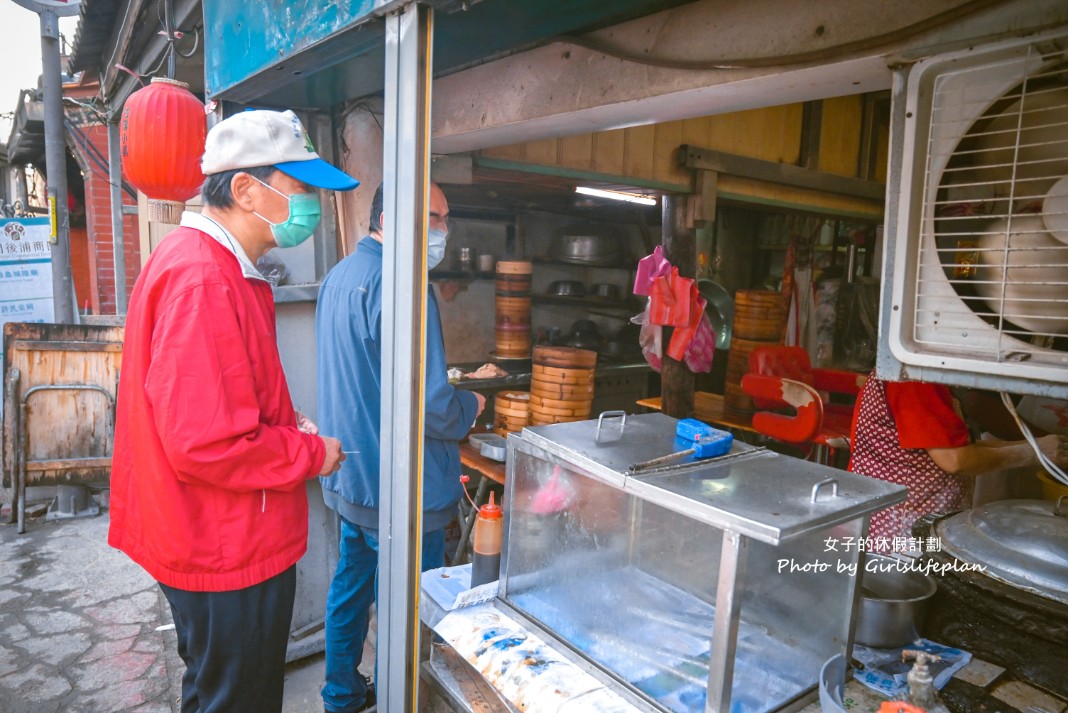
616,195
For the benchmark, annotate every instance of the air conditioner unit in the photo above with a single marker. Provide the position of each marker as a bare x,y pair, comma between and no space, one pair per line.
975,283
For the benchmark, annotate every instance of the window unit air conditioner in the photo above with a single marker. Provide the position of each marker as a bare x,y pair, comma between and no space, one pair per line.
975,281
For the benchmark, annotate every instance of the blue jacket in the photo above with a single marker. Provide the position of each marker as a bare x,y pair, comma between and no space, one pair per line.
348,326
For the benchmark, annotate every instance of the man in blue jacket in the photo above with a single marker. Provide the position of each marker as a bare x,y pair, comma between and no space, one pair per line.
348,325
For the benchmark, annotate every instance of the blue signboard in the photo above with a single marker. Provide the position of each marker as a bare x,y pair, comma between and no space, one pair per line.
25,271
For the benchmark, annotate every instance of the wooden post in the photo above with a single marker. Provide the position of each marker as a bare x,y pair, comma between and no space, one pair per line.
677,236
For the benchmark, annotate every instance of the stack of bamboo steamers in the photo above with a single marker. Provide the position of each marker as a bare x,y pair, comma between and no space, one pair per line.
513,309
511,408
759,321
561,390
561,385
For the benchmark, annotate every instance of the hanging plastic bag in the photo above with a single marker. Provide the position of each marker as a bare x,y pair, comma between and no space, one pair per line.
650,267
670,300
651,340
702,347
682,336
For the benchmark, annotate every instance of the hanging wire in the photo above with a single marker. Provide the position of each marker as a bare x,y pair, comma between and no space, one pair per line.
196,43
173,36
1052,468
102,116
97,158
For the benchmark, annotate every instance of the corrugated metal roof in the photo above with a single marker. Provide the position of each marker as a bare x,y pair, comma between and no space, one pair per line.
96,22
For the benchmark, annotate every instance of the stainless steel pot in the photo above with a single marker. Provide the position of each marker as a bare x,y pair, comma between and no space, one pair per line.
894,597
583,340
567,288
591,249
606,290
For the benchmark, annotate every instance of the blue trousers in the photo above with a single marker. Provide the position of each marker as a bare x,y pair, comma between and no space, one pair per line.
234,645
348,611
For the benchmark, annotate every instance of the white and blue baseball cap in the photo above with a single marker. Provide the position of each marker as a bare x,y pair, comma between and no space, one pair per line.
260,137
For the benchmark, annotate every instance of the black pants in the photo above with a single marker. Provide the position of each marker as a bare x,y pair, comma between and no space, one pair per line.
234,645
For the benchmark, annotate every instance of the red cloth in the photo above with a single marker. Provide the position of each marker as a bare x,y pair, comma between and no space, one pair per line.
893,425
925,416
207,482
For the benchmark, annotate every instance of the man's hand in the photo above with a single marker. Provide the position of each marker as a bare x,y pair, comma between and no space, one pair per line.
334,456
481,403
306,425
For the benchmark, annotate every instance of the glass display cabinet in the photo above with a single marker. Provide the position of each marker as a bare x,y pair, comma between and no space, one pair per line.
719,585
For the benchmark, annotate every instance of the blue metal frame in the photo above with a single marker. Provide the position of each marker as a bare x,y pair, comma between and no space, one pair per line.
329,51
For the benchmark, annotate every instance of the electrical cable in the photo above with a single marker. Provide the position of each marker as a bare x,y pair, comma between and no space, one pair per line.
868,43
94,155
102,116
1052,468
96,168
196,44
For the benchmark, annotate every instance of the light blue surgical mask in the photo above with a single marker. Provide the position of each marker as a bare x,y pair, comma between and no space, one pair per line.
435,247
304,215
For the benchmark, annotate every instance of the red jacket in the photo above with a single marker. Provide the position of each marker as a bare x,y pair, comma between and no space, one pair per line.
207,481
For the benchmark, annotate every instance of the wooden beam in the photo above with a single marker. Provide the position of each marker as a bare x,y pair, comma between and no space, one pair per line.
811,125
677,381
67,346
710,160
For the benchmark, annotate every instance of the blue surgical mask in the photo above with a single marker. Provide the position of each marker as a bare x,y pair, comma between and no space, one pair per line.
435,247
304,215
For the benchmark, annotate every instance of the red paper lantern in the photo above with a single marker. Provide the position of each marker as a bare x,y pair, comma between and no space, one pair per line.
162,138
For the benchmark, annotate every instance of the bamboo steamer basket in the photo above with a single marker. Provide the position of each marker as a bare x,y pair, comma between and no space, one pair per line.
515,267
539,418
768,329
736,402
513,304
564,357
759,299
512,400
511,411
758,315
512,285
511,343
554,375
513,310
551,415
544,404
737,364
738,358
562,392
510,426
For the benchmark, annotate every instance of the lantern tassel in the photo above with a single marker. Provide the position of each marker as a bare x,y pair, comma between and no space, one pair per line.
161,211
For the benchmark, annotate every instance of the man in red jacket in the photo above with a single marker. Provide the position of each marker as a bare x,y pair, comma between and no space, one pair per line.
210,459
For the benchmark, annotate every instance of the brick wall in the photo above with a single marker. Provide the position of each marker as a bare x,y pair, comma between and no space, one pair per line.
101,295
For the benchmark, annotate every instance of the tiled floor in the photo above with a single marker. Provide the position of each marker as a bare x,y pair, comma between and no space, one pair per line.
980,687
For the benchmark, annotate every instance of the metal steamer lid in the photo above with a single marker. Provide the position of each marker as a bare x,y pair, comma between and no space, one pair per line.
750,491
1023,543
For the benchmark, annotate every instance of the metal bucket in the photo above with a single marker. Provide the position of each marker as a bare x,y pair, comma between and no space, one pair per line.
893,602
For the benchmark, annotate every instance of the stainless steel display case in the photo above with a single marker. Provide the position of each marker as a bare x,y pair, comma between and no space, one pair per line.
718,585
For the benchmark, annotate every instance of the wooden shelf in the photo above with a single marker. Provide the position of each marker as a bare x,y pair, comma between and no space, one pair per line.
439,275
588,302
544,260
